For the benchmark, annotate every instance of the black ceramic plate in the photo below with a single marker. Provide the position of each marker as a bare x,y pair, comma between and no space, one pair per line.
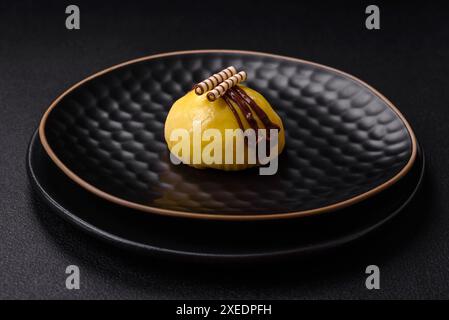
214,240
345,142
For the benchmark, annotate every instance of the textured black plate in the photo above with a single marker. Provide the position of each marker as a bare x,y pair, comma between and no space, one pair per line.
344,141
214,240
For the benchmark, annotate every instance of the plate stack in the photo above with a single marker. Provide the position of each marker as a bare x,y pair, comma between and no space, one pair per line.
99,159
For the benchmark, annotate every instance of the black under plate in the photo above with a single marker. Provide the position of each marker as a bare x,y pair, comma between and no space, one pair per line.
214,240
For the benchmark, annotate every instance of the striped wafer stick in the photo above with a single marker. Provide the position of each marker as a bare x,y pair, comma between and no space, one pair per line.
214,80
225,85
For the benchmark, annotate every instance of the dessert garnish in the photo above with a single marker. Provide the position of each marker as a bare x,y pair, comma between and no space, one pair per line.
223,113
214,80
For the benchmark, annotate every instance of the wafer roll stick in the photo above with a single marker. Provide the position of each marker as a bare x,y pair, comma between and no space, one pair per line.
214,80
221,89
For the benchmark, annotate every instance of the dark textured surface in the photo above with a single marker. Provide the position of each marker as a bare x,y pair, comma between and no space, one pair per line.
209,241
342,140
407,60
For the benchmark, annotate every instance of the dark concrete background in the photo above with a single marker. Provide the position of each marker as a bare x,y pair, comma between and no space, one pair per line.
407,60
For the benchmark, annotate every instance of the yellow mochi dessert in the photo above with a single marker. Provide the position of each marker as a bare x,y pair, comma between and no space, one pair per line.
195,114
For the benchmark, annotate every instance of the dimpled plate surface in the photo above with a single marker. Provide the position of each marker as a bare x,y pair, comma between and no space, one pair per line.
342,138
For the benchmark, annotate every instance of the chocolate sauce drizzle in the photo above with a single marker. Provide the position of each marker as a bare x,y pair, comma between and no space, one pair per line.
246,105
236,115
